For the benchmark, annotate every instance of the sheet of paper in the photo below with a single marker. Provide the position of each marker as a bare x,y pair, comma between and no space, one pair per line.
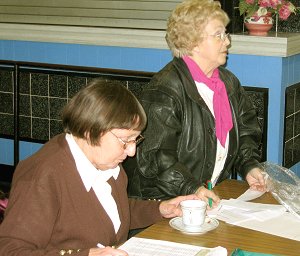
235,211
235,217
268,218
250,194
150,247
285,225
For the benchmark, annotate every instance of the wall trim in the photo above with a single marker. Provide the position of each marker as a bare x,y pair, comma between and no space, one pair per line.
279,45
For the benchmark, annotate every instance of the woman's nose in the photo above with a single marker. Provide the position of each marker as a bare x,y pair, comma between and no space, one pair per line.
130,149
227,41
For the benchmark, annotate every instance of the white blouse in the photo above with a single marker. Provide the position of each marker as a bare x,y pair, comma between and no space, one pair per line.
96,179
207,95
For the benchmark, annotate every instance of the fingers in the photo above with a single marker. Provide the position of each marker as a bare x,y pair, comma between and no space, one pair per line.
188,197
258,187
205,194
256,180
262,180
171,208
107,251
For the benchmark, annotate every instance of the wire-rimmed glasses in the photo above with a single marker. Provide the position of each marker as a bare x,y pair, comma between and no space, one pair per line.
135,142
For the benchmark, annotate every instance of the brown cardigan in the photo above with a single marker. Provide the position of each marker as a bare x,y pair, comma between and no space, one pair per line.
49,208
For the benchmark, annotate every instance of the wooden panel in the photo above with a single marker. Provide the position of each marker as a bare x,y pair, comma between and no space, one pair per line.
87,12
91,22
133,5
96,13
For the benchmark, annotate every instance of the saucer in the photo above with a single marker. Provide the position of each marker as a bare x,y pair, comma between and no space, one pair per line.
208,225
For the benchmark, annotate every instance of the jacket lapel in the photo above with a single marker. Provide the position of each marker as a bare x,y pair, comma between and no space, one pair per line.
88,208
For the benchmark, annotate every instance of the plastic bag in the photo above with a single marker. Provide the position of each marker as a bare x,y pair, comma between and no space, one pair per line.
284,186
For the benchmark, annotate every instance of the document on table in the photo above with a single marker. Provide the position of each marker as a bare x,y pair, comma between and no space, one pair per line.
150,247
234,211
268,218
250,194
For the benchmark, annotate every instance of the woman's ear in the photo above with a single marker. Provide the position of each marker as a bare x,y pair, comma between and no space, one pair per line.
196,49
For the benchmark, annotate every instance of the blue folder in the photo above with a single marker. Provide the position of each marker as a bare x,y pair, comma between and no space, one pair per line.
239,252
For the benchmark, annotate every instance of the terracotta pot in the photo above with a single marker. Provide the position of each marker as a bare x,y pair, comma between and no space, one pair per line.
259,26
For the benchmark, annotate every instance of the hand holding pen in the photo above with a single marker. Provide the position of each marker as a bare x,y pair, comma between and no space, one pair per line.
208,196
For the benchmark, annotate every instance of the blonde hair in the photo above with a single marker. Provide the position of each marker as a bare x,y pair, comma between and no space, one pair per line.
187,21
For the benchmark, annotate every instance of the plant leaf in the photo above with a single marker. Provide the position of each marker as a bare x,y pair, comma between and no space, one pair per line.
251,10
243,6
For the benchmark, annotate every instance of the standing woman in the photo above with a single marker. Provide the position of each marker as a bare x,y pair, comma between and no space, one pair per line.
71,195
201,124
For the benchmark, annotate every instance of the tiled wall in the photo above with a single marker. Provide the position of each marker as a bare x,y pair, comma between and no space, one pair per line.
6,101
292,126
44,92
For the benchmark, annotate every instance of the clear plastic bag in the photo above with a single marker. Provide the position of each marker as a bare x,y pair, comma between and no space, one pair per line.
284,186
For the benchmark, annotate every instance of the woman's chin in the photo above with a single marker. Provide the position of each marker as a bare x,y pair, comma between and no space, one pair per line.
223,60
114,165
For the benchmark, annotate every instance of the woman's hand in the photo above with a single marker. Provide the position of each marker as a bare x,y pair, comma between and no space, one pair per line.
171,208
107,251
204,194
256,180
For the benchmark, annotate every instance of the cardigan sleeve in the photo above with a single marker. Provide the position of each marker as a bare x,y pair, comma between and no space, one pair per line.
29,219
143,213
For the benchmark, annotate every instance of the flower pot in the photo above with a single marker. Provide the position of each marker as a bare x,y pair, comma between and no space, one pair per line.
259,25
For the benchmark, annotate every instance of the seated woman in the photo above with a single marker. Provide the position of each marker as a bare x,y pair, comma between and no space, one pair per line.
71,195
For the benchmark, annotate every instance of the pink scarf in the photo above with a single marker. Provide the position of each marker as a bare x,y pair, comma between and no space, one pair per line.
221,105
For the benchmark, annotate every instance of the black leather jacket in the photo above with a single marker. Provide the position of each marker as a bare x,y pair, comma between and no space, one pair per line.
178,154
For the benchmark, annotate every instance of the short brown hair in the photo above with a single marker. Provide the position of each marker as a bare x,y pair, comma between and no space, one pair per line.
187,21
102,106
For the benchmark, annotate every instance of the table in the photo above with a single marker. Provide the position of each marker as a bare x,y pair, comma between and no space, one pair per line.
227,235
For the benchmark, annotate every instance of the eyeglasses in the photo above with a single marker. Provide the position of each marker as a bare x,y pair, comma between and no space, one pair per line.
135,142
222,36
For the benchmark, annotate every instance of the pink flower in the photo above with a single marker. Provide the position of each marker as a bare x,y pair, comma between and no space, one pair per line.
264,3
282,8
285,11
269,3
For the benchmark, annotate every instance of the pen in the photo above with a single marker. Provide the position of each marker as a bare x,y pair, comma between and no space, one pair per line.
209,187
100,245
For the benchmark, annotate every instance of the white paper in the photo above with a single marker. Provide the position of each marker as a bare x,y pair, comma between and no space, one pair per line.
250,194
286,225
268,218
149,247
235,211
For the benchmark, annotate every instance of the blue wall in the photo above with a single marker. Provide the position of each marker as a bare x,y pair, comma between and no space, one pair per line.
85,55
275,73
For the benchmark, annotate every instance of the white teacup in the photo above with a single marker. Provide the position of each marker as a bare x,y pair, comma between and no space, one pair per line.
193,213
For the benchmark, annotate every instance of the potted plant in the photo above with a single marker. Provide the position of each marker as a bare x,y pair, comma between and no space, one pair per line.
258,13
